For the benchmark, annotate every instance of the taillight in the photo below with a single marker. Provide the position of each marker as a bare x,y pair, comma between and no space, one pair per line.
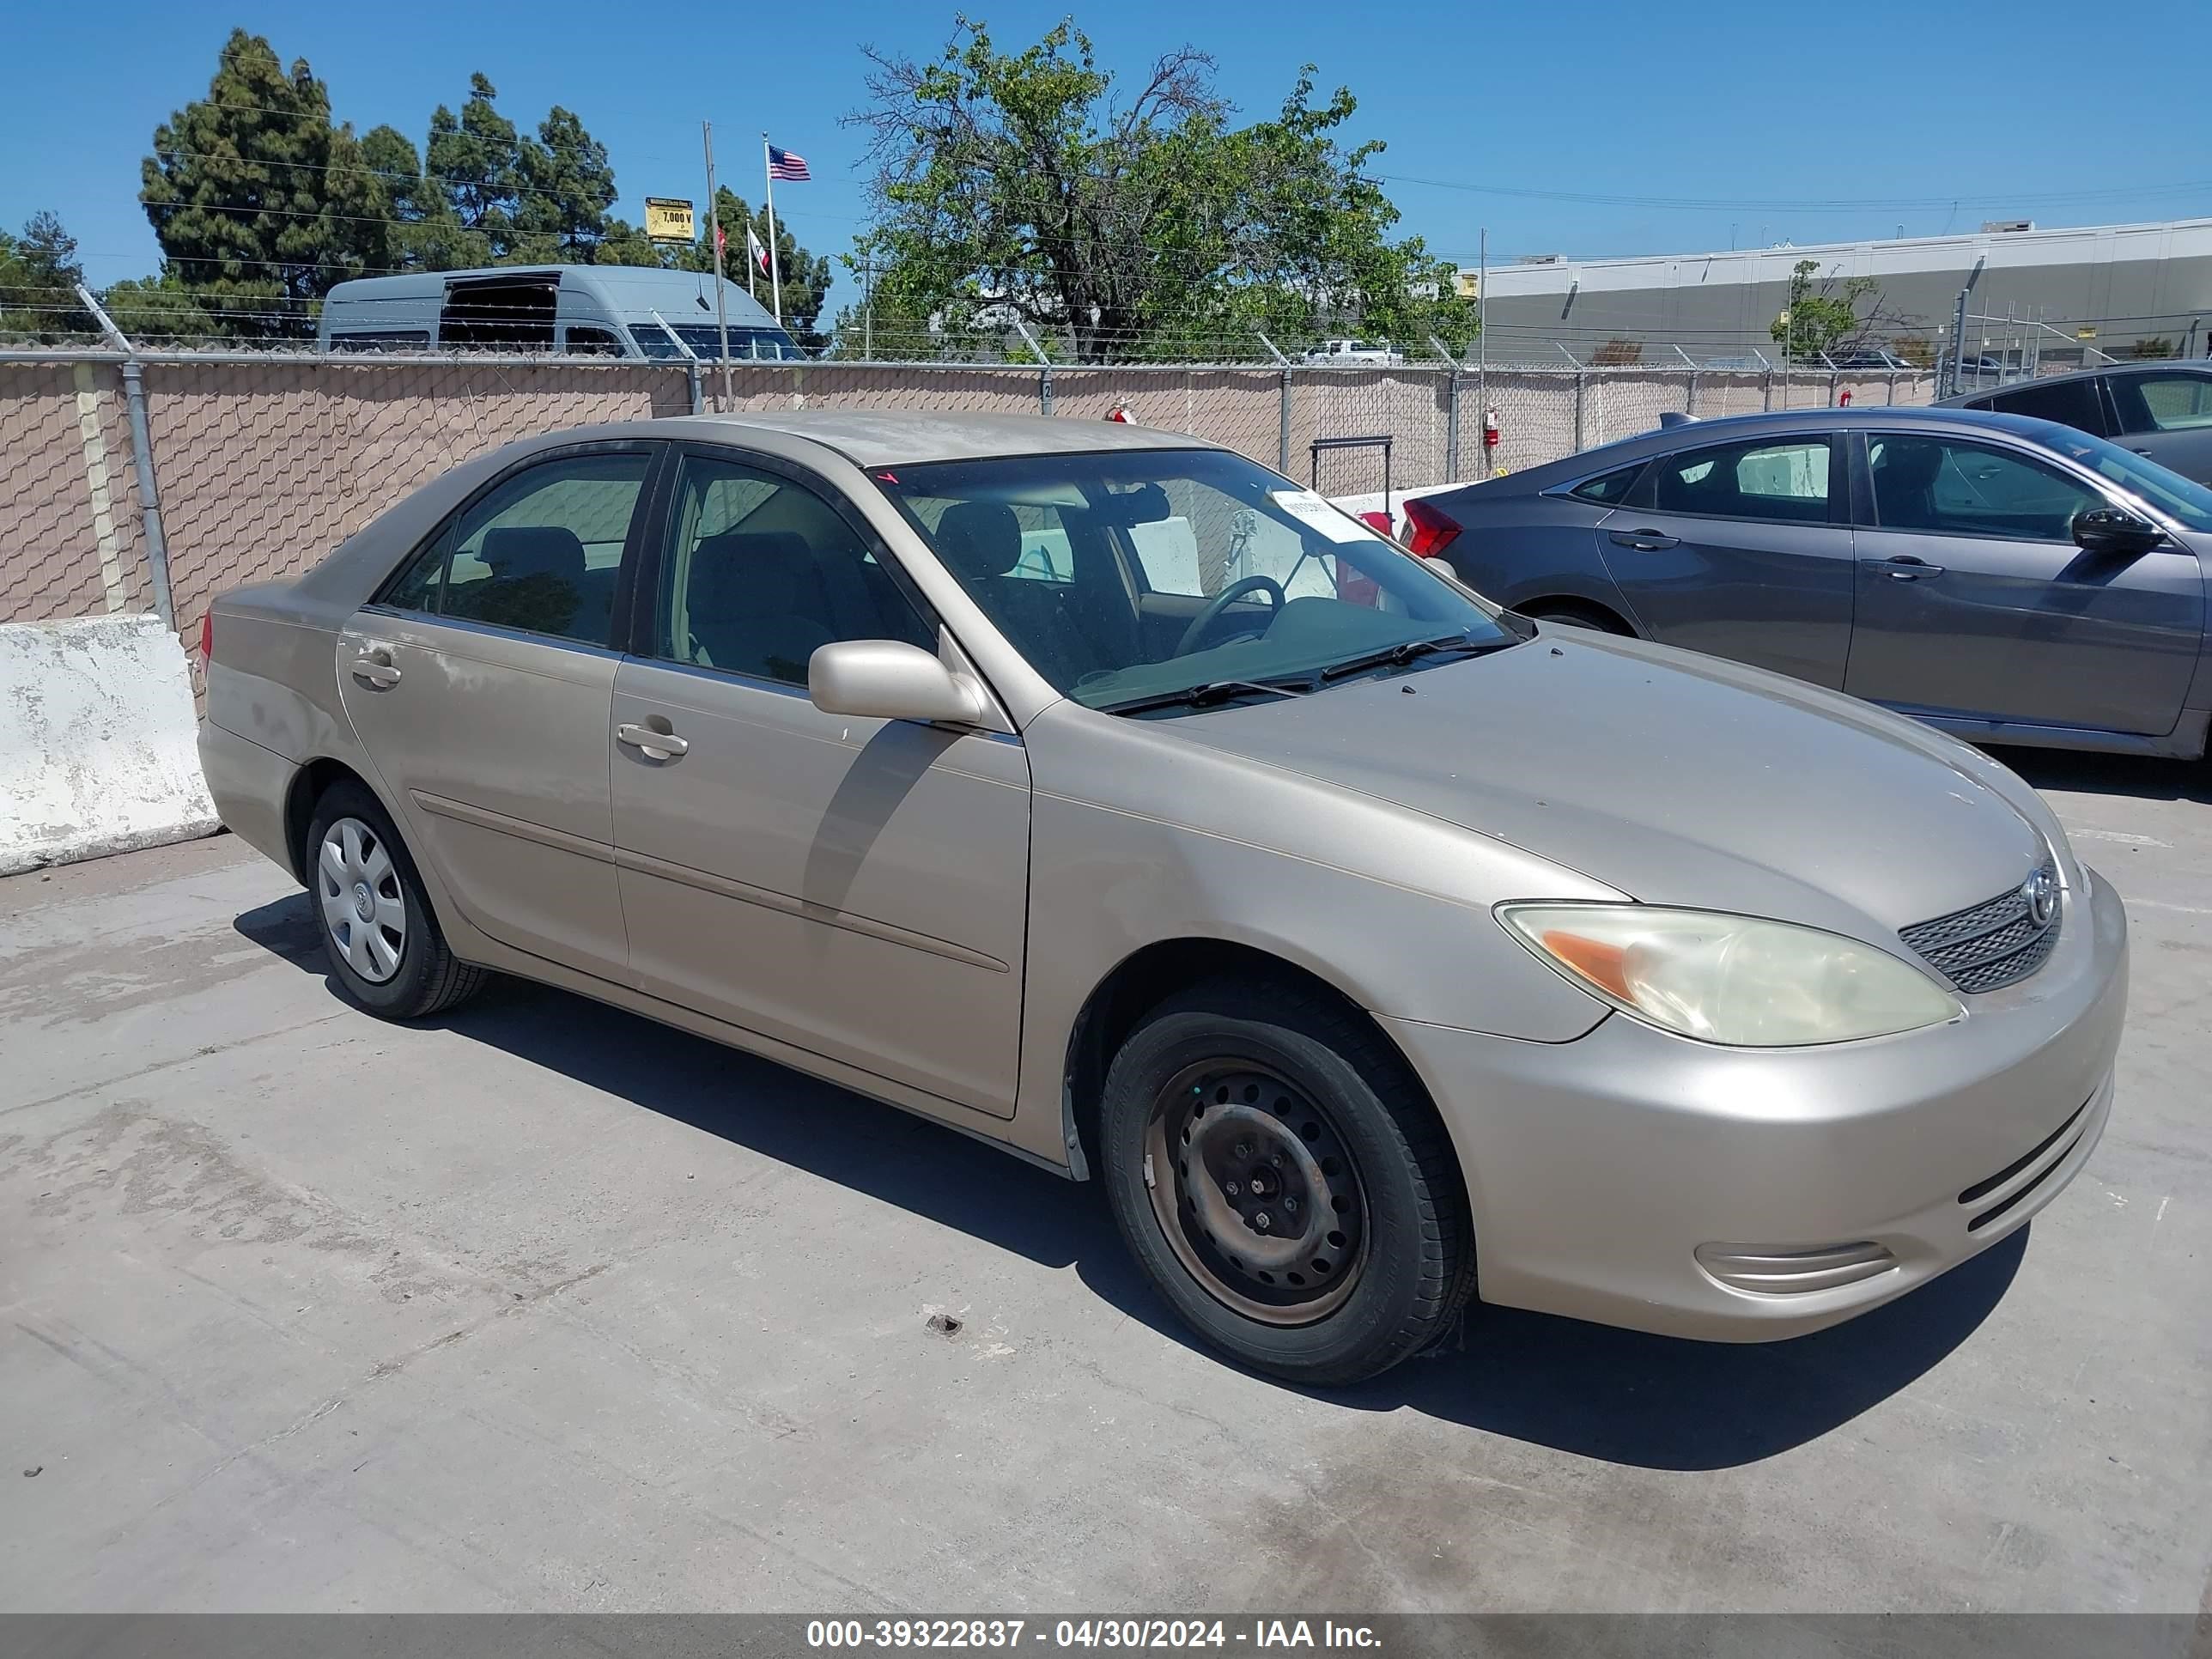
206,638
1433,529
1375,520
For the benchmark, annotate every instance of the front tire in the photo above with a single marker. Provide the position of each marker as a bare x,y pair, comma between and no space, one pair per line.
1277,1173
383,944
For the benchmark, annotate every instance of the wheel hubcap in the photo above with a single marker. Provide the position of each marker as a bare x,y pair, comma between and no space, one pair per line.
363,908
1255,1191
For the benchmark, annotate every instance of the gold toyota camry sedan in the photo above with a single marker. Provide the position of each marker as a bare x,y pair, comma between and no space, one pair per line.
1101,793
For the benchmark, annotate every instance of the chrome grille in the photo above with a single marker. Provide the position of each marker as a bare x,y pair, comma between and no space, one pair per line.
1996,943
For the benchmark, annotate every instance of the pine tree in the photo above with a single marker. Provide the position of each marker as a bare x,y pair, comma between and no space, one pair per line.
259,203
39,275
567,187
474,162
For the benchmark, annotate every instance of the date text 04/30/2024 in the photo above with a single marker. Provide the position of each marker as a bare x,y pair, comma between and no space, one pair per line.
1279,1634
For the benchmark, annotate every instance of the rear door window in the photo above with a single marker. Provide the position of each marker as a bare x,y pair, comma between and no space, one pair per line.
540,552
1784,481
2070,402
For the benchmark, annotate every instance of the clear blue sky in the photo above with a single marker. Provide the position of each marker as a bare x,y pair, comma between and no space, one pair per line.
1887,113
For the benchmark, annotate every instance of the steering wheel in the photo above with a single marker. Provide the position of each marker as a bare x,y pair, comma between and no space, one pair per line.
1221,601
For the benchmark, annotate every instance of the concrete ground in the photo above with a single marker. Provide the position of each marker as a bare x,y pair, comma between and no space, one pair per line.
546,1307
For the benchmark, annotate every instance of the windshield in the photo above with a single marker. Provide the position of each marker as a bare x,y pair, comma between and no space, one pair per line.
1134,576
2180,498
705,339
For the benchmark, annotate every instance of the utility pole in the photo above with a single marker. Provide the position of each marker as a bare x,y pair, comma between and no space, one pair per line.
715,225
1482,338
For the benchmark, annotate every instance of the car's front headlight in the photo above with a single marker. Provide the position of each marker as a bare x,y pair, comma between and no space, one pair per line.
1738,979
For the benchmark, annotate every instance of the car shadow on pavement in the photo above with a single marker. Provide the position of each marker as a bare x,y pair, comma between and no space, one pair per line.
1649,1401
2090,774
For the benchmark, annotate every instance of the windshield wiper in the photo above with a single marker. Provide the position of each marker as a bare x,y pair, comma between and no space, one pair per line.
1213,691
1397,656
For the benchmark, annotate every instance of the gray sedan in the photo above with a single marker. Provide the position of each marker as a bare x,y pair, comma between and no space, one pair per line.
2008,579
1107,797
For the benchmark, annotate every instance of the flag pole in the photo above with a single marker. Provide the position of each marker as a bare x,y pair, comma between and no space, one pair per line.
715,224
775,263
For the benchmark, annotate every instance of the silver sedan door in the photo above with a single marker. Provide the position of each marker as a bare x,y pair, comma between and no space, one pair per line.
858,888
479,681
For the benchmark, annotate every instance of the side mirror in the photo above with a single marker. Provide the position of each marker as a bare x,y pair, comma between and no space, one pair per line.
2114,530
890,680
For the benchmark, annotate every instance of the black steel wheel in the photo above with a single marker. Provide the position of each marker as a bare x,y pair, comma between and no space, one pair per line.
1284,1182
1255,1191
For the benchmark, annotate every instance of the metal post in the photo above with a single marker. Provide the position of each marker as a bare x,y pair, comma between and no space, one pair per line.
1689,397
142,456
714,223
1451,412
1944,389
1283,432
1045,377
774,254
1581,384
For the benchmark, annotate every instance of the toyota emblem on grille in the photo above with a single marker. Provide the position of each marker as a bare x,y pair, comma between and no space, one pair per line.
2041,892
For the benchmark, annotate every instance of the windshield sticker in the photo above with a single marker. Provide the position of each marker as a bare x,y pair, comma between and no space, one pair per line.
1331,522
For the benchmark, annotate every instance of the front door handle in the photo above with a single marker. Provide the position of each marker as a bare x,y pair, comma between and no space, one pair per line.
1645,541
652,743
1906,568
374,666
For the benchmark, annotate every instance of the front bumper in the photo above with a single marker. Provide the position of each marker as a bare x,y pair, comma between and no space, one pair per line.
1597,1168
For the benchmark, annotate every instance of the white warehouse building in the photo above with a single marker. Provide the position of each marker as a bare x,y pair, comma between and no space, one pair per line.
2070,293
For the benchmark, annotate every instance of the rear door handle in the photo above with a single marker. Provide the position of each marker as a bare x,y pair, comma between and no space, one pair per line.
374,666
1645,541
654,746
1906,568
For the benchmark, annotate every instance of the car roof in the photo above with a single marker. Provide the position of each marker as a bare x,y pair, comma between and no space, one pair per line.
2141,366
875,437
1696,434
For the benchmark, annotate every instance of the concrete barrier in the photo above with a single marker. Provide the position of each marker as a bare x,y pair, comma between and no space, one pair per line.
97,741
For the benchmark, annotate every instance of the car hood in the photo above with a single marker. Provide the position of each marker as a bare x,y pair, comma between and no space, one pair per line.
1674,778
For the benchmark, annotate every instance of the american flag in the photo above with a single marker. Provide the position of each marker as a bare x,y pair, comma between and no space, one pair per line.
792,169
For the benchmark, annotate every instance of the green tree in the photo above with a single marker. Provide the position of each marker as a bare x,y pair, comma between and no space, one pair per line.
259,202
474,162
160,311
567,188
1025,183
425,233
39,275
1826,316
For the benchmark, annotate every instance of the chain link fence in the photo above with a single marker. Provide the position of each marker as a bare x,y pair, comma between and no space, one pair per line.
256,465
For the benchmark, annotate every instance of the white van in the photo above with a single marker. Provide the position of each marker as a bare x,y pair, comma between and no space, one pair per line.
612,310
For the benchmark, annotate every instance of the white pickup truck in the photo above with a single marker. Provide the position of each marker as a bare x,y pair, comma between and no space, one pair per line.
1348,353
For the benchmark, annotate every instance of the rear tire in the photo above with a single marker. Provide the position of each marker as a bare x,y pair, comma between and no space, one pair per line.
1277,1172
383,942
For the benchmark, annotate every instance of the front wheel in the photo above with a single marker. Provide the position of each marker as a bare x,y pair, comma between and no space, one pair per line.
1275,1170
